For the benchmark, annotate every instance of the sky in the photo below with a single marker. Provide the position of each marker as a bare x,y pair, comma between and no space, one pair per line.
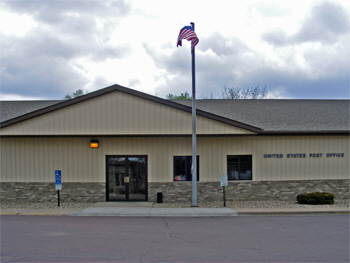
296,49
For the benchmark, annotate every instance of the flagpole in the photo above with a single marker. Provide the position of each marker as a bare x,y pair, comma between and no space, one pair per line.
194,141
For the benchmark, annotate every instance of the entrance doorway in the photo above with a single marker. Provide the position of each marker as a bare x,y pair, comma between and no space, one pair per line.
126,178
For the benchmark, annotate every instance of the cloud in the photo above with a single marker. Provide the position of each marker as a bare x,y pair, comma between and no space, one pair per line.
326,23
87,44
276,37
298,85
227,61
56,12
268,10
221,45
36,75
220,61
43,62
317,55
134,82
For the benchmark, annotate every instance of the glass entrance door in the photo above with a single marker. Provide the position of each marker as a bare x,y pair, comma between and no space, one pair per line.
126,178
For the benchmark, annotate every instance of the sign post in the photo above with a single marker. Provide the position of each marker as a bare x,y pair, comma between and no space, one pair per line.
224,183
58,184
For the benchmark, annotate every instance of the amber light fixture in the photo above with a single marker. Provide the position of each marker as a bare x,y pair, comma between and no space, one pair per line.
94,144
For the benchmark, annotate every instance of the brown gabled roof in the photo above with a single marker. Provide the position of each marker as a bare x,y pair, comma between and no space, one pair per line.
115,87
284,116
12,109
260,116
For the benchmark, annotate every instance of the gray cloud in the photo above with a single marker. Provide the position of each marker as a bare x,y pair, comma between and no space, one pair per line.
225,51
276,37
45,61
223,46
298,85
75,19
100,81
56,12
45,77
219,61
39,63
326,23
175,63
133,82
231,63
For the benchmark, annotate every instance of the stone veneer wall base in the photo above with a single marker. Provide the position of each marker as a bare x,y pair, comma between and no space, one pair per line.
247,190
41,192
178,191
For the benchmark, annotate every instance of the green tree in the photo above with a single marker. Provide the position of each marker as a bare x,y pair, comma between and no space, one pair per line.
75,94
182,96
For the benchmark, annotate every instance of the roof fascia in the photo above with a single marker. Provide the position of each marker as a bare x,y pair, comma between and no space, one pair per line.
321,132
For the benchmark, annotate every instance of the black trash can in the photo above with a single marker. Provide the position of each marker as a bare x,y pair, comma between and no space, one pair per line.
159,197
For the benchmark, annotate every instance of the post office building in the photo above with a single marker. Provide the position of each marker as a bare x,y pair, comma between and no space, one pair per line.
118,144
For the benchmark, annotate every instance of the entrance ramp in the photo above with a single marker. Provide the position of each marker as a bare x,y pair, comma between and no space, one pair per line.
122,204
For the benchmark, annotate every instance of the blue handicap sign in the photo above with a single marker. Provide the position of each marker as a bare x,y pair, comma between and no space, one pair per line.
58,177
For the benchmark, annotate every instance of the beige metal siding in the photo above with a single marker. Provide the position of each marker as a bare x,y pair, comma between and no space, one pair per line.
118,113
35,159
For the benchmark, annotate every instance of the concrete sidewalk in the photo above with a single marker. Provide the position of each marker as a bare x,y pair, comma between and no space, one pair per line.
146,209
155,212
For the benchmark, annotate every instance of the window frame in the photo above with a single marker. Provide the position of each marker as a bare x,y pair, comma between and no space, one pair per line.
174,168
239,156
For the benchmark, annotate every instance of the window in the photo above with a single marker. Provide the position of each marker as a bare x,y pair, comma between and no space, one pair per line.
239,167
182,168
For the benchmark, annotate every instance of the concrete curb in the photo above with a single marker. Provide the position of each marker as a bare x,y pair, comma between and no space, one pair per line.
293,213
34,214
37,212
155,212
175,212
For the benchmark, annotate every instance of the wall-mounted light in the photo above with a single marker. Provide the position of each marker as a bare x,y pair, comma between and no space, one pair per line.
94,144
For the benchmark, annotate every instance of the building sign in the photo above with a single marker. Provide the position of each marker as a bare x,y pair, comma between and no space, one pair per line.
303,155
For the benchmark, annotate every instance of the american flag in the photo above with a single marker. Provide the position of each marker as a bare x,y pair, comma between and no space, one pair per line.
187,33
